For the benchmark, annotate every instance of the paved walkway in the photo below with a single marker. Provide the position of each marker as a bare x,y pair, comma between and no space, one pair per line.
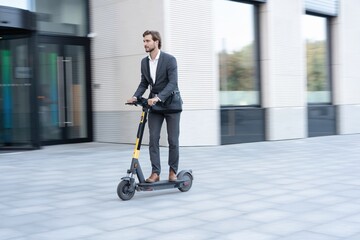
285,190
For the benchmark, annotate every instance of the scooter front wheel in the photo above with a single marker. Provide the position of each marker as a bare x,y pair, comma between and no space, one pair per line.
125,191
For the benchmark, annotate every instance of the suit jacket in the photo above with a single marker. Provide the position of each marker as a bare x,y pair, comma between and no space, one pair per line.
166,81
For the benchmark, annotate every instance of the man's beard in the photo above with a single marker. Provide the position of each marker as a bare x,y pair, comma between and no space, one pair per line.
150,49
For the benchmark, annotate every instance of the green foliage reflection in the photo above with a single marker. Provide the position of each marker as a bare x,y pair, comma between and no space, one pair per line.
236,70
316,65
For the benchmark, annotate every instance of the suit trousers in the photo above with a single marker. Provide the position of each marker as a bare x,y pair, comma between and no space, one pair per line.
155,122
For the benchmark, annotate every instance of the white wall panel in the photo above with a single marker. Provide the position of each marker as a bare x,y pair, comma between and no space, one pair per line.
114,81
200,128
189,36
349,119
119,26
282,54
283,69
105,88
346,50
286,123
117,127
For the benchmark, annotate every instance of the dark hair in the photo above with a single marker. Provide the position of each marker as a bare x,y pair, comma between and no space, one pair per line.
155,36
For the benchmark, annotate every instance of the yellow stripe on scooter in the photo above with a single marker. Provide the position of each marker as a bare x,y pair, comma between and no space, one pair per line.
136,154
136,148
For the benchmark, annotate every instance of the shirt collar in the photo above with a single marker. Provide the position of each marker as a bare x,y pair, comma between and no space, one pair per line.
156,58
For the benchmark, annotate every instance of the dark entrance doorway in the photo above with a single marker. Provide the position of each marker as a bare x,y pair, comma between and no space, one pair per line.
45,95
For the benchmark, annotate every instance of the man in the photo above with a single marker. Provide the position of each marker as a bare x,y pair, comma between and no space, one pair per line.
159,71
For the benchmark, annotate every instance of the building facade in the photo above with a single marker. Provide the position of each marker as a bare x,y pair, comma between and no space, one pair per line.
252,70
302,80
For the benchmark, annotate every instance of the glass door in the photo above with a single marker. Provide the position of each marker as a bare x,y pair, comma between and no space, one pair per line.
15,91
63,95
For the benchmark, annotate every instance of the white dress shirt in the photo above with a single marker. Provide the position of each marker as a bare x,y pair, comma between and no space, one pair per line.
153,65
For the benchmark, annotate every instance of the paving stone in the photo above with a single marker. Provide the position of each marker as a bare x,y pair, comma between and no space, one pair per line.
281,190
341,229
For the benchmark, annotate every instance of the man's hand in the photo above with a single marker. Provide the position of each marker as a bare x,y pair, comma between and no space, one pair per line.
153,101
132,100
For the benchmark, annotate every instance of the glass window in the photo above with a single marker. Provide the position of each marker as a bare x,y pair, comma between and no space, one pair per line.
15,90
65,17
317,59
236,50
23,4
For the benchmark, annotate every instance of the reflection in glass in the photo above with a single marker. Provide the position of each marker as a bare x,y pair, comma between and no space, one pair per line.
235,46
66,17
62,99
49,93
318,82
15,89
76,92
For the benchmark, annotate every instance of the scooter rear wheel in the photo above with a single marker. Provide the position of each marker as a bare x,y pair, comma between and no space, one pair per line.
124,190
188,182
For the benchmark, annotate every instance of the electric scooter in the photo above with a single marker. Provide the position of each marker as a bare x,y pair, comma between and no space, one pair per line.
128,185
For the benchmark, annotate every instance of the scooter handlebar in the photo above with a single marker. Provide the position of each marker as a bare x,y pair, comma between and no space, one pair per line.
140,101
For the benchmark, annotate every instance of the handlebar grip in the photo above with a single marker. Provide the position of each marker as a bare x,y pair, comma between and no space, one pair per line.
140,101
135,104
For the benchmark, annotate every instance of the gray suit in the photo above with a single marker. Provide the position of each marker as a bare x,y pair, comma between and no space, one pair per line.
165,84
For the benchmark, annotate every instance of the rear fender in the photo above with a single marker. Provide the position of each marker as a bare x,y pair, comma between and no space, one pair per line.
183,172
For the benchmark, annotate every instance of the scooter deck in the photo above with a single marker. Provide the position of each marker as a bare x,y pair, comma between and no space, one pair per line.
163,184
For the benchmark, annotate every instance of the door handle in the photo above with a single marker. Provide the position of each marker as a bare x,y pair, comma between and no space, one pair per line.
61,100
69,91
